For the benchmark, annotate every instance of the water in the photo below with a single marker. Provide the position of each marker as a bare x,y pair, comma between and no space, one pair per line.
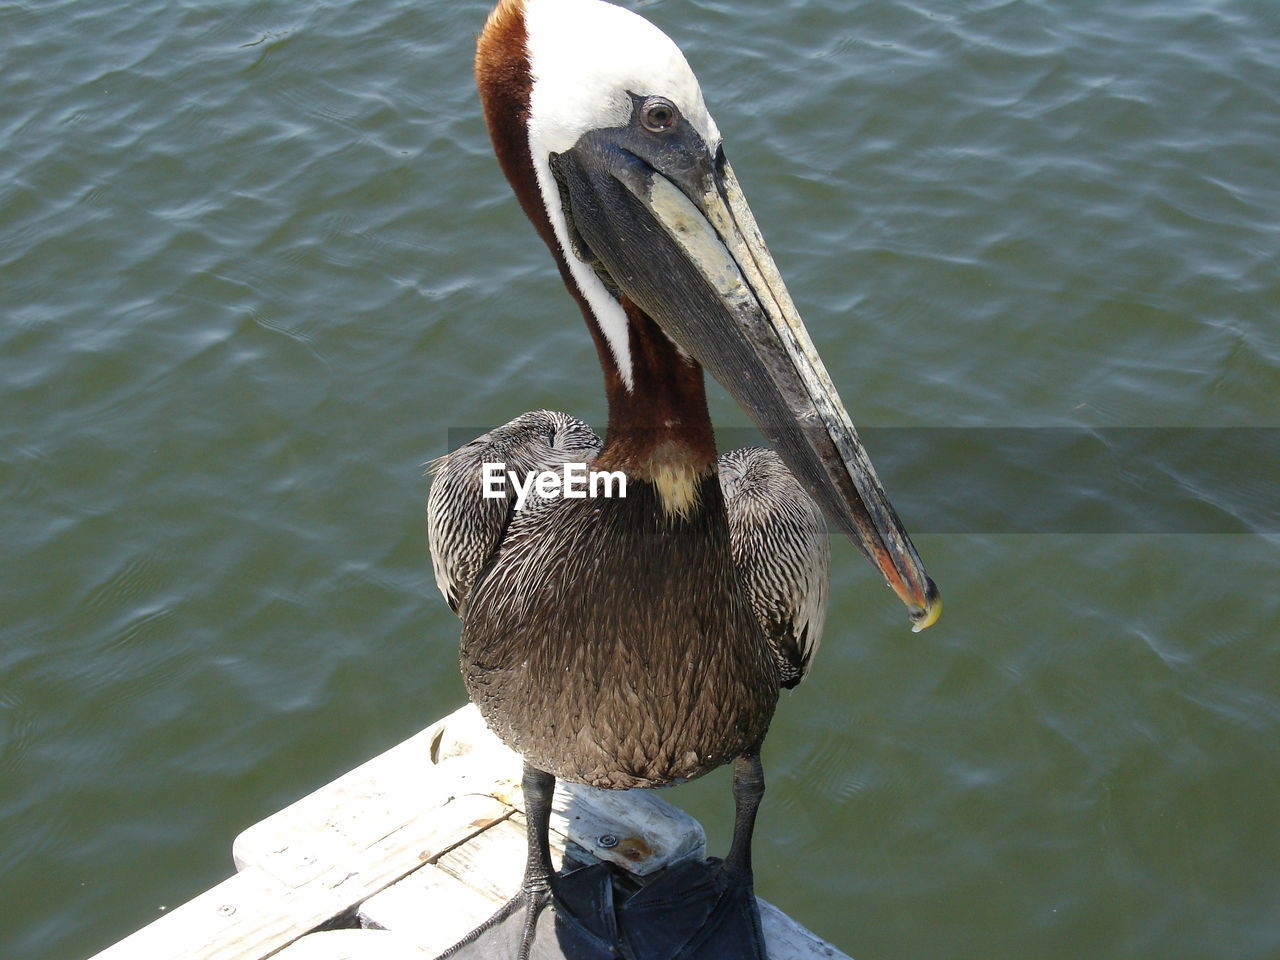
256,259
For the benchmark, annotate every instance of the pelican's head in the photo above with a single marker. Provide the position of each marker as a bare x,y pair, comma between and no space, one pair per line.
600,125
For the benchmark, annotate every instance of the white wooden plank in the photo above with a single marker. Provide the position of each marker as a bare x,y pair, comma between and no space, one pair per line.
255,914
431,907
635,829
491,863
476,877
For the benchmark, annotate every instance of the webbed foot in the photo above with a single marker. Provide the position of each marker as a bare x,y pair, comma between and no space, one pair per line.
537,925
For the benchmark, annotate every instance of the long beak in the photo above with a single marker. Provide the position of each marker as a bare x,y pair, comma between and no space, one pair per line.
708,280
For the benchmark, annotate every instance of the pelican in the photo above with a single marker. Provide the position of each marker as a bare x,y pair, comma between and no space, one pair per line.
641,640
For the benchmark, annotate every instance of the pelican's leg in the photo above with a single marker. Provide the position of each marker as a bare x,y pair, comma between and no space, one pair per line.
737,906
748,789
539,787
535,890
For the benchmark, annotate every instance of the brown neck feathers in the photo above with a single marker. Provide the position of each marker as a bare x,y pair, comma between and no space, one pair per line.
660,430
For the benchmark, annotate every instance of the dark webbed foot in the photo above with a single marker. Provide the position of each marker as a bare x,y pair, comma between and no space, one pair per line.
694,910
537,925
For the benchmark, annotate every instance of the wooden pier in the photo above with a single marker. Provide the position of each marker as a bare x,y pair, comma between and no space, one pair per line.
401,857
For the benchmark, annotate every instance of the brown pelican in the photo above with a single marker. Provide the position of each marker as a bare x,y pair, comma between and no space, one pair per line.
641,640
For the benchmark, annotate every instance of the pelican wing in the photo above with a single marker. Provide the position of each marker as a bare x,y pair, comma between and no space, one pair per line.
780,546
463,526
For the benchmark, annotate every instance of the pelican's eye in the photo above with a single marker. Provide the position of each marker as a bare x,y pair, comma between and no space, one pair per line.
658,114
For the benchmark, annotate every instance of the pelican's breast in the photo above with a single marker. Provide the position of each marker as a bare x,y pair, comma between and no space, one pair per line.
612,644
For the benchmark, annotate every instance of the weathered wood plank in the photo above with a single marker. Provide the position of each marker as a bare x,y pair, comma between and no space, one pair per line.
431,907
493,863
255,914
636,829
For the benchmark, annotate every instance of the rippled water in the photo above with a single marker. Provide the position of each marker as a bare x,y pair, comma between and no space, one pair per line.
256,260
